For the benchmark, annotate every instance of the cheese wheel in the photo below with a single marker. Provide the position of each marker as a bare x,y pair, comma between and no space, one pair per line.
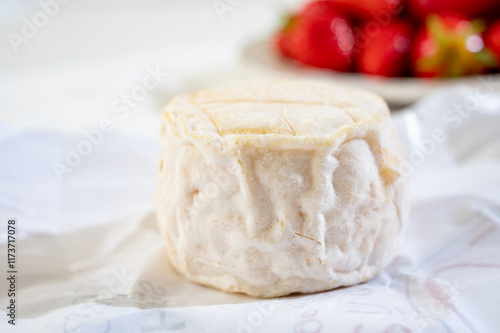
280,187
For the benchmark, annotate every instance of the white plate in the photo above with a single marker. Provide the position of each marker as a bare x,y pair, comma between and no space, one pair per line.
396,91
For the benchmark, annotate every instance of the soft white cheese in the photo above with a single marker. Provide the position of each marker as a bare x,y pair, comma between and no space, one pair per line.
280,187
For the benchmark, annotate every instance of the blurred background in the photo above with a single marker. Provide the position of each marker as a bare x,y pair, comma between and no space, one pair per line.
68,73
64,62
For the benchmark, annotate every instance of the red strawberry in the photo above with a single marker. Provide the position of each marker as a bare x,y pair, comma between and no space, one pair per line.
476,8
387,52
450,45
323,37
492,39
369,9
283,39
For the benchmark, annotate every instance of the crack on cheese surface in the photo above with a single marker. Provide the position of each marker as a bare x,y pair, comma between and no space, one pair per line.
282,187
307,238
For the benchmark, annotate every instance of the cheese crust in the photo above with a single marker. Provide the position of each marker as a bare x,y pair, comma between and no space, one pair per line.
280,187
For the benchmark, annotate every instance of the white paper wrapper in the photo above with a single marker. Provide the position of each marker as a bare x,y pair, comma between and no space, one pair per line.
90,259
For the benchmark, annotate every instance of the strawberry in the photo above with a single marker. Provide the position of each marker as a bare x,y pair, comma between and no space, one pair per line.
369,9
476,8
322,37
492,39
387,52
450,45
284,38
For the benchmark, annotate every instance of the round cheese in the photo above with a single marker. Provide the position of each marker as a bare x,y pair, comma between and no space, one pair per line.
280,187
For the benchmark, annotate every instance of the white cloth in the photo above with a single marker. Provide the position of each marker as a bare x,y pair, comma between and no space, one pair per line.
90,258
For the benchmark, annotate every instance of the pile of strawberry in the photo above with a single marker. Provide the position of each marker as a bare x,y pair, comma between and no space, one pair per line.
423,38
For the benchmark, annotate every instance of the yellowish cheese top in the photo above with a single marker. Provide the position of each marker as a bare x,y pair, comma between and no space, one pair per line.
282,108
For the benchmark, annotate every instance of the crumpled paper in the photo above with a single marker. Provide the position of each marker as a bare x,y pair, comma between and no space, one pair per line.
90,258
